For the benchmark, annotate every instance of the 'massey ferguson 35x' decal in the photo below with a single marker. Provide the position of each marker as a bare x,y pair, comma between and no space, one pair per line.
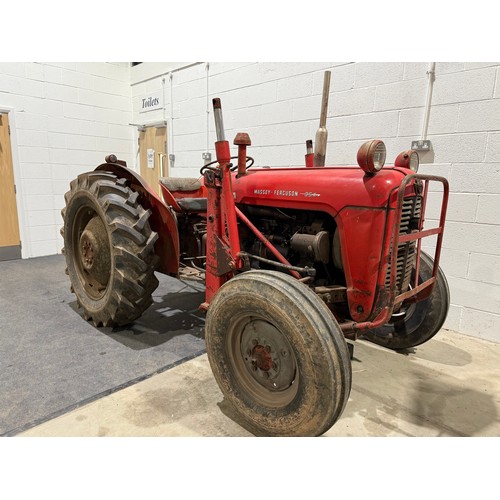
284,192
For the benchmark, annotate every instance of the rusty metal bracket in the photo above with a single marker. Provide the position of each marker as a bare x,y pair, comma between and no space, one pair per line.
225,263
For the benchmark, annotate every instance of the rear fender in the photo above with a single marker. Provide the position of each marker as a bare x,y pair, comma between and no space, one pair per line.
162,220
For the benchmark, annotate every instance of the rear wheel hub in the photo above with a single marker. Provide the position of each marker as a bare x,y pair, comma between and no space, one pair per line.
94,263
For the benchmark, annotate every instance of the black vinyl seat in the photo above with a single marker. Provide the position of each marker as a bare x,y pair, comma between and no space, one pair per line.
193,204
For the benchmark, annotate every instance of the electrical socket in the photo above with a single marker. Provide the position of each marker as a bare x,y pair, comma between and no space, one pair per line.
207,157
421,145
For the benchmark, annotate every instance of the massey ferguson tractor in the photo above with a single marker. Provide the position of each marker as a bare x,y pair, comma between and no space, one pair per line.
295,261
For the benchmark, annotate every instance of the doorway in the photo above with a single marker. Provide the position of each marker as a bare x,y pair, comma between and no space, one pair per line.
10,242
153,155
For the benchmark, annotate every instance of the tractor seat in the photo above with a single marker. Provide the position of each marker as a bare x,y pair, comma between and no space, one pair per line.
193,204
183,184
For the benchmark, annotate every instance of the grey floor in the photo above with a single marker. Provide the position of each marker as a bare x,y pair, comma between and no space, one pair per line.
448,387
60,376
53,361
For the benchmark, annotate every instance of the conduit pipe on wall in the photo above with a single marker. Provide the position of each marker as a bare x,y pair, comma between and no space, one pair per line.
163,96
430,83
207,67
171,156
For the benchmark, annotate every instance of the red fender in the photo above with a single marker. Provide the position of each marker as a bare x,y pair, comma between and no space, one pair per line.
162,220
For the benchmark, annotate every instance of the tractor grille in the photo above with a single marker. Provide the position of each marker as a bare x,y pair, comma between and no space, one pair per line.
410,216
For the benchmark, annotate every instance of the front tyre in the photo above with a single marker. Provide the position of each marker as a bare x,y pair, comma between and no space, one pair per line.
278,355
417,323
109,249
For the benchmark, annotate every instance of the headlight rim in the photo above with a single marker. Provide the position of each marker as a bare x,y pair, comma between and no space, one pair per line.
366,156
404,160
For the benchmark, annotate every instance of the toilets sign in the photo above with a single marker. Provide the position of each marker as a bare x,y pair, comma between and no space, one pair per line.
150,102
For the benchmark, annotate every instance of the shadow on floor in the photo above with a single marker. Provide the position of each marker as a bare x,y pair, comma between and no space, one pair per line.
169,316
421,394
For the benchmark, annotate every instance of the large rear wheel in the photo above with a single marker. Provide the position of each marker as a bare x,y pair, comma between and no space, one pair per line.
278,355
416,323
109,248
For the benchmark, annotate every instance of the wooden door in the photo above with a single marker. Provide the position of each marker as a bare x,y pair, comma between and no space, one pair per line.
10,244
153,155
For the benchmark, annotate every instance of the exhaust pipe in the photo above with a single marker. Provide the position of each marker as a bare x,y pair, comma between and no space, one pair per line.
322,133
219,123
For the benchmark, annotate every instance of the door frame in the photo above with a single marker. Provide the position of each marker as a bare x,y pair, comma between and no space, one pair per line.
16,167
141,127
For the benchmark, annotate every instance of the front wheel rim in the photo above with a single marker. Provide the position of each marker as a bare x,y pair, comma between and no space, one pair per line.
263,361
405,312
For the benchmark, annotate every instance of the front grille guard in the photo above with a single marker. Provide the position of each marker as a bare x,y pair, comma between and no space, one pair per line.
412,210
418,291
423,290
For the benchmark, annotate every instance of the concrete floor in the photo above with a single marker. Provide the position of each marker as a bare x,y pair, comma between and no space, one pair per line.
449,386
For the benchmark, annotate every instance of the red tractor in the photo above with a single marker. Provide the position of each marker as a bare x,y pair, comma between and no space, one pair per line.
295,260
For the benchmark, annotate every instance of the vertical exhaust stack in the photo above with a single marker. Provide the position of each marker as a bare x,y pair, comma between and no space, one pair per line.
322,133
219,123
221,146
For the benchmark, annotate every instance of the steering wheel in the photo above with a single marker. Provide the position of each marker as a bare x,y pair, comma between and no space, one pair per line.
231,167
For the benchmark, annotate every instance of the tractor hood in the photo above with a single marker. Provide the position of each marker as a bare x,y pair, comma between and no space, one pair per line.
327,189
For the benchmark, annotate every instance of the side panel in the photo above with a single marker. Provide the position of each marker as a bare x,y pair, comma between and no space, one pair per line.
362,232
162,219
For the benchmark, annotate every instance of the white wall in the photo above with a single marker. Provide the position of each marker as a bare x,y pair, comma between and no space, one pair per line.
278,105
67,117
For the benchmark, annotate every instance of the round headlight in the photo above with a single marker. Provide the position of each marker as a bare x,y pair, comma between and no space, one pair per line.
408,159
371,156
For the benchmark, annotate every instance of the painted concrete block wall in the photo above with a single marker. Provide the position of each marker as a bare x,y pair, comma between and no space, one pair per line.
69,115
66,118
278,105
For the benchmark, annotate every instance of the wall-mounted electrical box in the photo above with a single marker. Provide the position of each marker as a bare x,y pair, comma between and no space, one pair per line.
421,146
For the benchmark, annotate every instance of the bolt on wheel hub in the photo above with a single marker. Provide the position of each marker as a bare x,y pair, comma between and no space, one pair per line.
268,356
88,246
94,255
262,358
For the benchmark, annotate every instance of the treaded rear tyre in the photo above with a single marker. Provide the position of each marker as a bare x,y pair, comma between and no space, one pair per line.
109,249
278,355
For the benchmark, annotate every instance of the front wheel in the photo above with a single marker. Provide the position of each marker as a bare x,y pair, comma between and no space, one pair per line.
418,322
278,355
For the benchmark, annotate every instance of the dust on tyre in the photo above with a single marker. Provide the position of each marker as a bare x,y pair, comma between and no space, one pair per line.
278,355
418,322
109,249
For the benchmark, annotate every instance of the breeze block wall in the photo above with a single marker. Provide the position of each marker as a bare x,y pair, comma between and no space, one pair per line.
67,117
278,104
